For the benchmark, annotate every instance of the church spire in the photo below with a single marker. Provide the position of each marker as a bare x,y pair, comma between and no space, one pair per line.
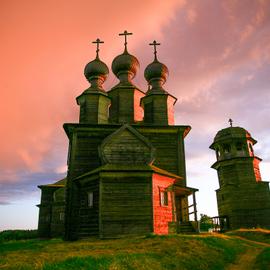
125,95
125,65
156,73
96,71
94,102
158,103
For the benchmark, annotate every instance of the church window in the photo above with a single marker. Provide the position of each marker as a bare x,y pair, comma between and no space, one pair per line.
226,148
163,198
239,146
218,153
90,199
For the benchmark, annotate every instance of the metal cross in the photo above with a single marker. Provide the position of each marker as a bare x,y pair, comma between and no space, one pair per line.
230,121
155,44
97,41
125,34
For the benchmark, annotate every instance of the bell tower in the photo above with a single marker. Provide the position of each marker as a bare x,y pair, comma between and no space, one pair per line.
242,197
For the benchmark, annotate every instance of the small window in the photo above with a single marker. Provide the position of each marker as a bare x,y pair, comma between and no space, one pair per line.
163,198
90,199
61,216
226,148
218,153
239,146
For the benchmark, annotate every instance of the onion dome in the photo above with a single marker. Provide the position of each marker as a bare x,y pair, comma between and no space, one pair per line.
156,70
96,71
156,73
125,66
96,68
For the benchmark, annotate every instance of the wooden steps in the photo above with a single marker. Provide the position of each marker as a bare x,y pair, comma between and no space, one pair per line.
185,228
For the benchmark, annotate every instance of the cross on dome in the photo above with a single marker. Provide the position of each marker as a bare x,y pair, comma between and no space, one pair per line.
230,121
97,41
155,44
125,33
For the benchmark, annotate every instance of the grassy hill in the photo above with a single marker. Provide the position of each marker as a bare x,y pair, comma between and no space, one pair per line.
206,251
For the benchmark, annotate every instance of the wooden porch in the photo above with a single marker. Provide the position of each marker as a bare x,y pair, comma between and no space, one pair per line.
183,211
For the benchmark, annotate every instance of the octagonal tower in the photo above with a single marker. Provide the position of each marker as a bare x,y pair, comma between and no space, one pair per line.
242,197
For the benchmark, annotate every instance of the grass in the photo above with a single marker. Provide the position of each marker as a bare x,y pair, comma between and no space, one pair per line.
259,235
263,260
17,235
199,252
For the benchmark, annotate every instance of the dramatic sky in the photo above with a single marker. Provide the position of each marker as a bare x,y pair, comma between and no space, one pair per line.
217,52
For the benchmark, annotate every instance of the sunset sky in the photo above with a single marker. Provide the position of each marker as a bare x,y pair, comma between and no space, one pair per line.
217,52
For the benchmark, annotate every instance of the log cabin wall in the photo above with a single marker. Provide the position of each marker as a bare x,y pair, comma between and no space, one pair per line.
125,204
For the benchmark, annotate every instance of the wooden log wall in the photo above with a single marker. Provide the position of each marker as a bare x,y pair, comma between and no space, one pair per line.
126,204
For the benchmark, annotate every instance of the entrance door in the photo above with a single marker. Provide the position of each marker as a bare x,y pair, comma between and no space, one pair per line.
178,207
181,209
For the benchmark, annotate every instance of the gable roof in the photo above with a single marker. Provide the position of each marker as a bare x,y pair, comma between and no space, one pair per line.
126,146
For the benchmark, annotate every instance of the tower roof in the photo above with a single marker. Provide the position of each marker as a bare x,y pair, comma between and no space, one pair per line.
232,133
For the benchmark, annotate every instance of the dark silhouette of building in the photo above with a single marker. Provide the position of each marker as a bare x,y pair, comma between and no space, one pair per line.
126,162
243,198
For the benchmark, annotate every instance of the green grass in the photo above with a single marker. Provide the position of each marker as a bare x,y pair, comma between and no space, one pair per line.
17,235
200,252
259,235
263,260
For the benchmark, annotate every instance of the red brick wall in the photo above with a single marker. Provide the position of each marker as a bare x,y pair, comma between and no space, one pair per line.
161,214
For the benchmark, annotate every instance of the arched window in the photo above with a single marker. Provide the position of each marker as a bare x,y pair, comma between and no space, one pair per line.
217,153
239,146
226,148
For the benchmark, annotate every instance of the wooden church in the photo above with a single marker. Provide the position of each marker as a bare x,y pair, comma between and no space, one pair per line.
126,162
